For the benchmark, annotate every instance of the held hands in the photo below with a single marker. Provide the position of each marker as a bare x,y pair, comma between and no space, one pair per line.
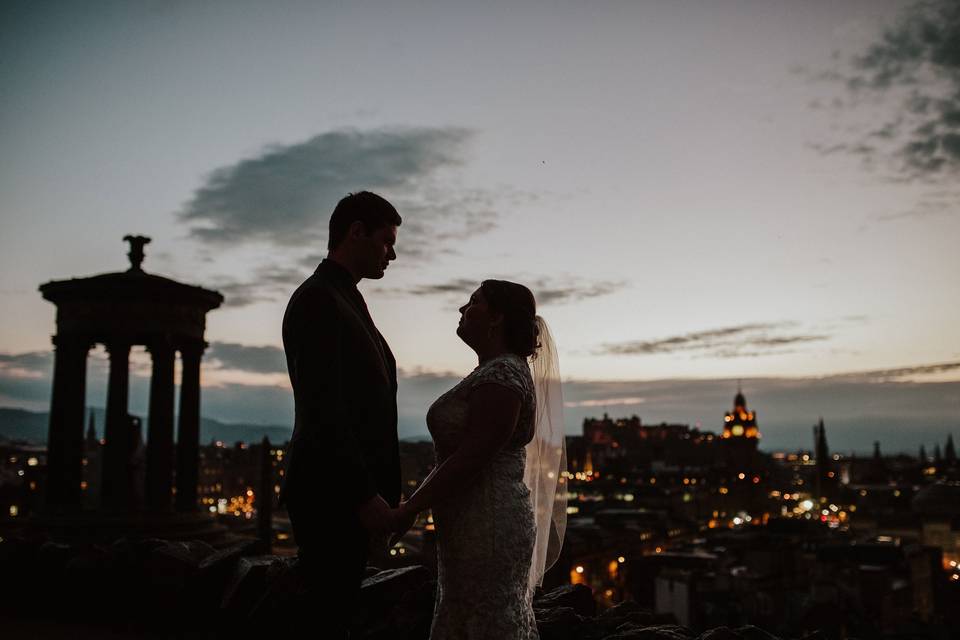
403,518
375,515
380,520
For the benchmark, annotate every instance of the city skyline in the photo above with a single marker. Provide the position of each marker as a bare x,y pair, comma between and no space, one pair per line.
681,186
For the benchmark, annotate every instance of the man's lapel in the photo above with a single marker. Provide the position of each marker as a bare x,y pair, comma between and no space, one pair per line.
356,303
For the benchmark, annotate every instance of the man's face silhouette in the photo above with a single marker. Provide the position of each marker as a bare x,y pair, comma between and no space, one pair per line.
375,251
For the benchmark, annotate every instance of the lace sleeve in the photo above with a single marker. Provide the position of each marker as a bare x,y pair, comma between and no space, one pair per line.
501,372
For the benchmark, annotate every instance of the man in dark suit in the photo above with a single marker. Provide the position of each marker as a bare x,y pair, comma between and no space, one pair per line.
342,465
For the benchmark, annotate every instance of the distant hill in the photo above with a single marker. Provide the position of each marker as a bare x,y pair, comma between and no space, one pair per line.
18,424
32,426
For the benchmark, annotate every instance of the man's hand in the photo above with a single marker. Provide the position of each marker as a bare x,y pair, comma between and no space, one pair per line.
375,515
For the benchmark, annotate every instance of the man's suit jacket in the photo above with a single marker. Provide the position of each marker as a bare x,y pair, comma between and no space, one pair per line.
344,448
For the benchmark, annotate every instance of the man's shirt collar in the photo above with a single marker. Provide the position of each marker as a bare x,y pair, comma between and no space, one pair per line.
338,271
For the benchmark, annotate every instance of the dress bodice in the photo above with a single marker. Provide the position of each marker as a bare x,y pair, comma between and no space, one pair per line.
447,416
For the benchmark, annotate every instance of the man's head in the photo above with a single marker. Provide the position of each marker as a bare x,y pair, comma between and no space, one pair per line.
363,230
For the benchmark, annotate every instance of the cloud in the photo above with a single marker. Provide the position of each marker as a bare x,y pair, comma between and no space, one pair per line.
898,374
32,364
604,402
267,283
938,203
913,64
545,290
458,286
550,292
240,357
746,340
284,195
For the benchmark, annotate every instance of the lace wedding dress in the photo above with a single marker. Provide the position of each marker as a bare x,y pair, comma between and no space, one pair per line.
485,536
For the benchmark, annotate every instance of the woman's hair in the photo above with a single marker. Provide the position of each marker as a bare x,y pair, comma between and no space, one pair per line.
520,329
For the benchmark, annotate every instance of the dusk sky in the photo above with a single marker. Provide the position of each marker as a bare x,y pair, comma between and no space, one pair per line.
698,193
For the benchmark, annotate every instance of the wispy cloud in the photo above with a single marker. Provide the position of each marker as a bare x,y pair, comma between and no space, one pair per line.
913,67
746,340
604,402
457,286
32,364
266,283
545,290
550,291
241,357
285,194
897,374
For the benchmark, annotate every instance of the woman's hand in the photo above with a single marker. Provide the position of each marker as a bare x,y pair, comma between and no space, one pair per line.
403,518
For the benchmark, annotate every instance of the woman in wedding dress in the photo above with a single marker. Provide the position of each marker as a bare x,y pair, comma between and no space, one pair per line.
498,490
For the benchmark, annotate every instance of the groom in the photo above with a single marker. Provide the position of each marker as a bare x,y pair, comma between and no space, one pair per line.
342,464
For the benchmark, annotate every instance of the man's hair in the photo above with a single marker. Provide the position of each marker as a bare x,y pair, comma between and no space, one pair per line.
368,208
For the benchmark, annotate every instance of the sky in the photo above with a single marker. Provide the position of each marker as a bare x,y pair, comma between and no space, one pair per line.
698,193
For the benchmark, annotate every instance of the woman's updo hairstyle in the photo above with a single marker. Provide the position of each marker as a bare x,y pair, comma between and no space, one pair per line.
521,331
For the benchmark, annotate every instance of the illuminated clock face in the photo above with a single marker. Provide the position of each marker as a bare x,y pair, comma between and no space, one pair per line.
737,430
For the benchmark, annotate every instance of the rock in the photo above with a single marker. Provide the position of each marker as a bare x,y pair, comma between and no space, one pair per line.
393,582
89,576
630,631
53,556
396,603
558,623
576,596
720,633
227,555
409,619
171,565
284,594
217,566
247,585
633,613
750,632
621,610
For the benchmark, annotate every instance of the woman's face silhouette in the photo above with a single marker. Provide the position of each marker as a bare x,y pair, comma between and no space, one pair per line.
476,320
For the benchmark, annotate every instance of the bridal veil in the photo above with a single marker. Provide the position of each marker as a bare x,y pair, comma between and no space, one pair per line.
546,465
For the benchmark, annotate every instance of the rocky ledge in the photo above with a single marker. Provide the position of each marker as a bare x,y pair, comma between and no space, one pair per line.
152,587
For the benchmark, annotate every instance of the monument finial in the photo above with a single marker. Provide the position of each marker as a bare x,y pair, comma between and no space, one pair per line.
136,250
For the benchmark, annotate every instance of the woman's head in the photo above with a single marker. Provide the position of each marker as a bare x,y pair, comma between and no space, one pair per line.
507,305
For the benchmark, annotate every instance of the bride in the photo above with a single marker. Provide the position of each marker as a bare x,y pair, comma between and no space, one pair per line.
498,490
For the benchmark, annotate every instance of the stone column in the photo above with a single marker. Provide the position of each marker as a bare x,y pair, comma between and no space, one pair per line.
160,437
188,428
65,435
115,490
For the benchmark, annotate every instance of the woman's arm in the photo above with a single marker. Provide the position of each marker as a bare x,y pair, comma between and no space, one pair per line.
492,415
